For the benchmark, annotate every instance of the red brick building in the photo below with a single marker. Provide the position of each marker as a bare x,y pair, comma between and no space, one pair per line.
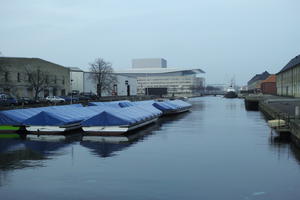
268,86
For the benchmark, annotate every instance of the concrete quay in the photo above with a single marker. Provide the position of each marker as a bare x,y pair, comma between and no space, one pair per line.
276,107
252,100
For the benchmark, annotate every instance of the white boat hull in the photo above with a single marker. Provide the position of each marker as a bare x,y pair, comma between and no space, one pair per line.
176,111
114,130
52,129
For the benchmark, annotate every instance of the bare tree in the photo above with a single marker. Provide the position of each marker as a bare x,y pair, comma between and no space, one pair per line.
102,74
38,79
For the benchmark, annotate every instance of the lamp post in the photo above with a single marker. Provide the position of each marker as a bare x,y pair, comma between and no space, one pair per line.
71,91
147,84
127,87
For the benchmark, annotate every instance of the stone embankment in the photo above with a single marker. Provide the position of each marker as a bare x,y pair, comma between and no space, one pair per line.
276,107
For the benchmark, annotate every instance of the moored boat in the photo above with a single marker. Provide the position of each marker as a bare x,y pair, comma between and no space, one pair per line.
11,121
172,107
230,93
119,121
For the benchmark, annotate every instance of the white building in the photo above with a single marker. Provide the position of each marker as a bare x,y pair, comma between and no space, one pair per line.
125,86
161,80
76,76
149,63
82,82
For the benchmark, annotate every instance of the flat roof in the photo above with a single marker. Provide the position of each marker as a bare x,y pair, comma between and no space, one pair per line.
157,70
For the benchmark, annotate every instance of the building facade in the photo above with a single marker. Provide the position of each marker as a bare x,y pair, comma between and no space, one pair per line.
124,85
254,83
174,85
164,81
17,75
149,63
77,79
268,86
288,79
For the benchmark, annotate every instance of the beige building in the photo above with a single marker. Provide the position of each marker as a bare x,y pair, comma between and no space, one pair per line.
17,75
288,79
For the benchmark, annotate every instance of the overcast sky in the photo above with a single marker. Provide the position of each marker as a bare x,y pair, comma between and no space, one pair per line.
225,38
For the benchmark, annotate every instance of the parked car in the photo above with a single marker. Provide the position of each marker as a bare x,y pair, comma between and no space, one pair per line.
7,100
26,100
84,98
55,99
89,95
70,98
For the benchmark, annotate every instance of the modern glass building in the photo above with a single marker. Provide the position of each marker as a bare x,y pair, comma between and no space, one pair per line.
162,80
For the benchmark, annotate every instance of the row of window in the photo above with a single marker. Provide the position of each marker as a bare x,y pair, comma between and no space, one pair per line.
28,78
164,80
45,91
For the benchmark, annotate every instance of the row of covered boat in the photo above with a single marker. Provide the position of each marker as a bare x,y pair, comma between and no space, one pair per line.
98,118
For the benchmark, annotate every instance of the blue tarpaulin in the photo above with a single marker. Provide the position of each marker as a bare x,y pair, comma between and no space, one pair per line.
118,111
17,116
123,116
171,105
105,114
163,106
107,118
110,103
46,118
179,103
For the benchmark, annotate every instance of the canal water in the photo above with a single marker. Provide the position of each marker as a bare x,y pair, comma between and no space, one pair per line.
217,151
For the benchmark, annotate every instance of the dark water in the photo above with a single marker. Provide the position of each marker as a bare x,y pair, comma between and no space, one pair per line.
217,151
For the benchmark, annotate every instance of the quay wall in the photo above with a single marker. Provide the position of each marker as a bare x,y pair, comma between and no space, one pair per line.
273,112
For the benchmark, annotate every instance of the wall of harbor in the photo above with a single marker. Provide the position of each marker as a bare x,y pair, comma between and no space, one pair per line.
275,107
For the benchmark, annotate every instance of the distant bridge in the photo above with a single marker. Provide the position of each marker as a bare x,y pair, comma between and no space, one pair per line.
214,92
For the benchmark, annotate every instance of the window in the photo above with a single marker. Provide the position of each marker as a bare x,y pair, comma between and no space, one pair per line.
54,91
47,79
19,77
6,76
55,79
63,80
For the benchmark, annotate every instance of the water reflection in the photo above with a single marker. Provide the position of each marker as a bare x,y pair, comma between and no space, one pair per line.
108,146
296,152
18,154
219,146
15,155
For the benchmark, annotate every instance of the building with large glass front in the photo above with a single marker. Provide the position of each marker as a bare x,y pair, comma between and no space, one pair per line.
162,80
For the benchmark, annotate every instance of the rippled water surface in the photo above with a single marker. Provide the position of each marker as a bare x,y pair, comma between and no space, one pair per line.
217,151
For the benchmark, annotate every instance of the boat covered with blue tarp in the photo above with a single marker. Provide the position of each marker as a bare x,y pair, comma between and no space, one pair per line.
113,121
167,107
172,107
18,116
100,118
